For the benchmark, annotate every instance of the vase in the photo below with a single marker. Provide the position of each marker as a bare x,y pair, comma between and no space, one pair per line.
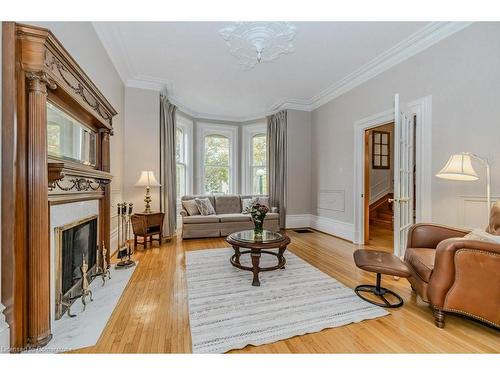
258,229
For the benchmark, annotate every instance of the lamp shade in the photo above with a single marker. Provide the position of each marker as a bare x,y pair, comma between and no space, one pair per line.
458,167
147,179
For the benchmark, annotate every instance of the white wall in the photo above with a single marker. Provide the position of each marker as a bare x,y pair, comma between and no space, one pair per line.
141,144
82,42
462,74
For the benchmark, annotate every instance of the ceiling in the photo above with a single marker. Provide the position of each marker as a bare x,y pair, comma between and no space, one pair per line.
192,61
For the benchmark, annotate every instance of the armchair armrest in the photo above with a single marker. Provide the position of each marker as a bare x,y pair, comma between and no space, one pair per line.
447,266
183,213
430,235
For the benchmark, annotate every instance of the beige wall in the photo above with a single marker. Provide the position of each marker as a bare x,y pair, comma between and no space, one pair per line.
462,74
299,162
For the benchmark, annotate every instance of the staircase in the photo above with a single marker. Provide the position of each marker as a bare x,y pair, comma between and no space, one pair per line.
381,213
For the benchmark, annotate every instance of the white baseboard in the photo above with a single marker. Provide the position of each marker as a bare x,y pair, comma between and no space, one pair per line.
4,332
334,227
298,221
324,224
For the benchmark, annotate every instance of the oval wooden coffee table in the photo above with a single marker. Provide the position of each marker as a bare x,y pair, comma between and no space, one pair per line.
258,246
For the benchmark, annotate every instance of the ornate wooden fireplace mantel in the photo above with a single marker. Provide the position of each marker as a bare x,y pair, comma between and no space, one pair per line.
36,69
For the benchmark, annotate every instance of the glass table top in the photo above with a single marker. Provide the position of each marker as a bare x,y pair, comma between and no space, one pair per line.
249,236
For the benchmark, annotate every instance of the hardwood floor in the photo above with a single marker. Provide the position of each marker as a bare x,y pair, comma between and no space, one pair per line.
152,314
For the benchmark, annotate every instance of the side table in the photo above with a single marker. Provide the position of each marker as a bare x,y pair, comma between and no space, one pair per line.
147,225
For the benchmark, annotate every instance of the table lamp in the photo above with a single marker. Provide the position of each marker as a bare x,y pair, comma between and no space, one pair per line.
459,168
148,180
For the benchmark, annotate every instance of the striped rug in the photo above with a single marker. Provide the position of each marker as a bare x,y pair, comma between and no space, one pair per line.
226,312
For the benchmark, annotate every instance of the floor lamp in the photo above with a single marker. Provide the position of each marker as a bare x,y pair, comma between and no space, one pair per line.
459,168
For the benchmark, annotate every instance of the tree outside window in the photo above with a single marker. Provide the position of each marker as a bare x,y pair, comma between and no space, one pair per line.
217,164
259,164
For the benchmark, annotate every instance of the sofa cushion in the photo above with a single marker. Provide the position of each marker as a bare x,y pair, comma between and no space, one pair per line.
272,216
246,204
190,207
261,199
190,197
225,218
200,219
205,206
421,260
264,201
227,204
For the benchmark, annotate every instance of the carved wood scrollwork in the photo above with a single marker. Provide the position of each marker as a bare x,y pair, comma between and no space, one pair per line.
80,184
39,81
60,71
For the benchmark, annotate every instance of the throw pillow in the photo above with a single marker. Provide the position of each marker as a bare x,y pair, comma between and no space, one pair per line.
263,201
204,206
246,204
191,207
481,235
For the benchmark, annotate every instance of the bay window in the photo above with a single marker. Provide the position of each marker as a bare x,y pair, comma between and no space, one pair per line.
183,154
216,147
254,159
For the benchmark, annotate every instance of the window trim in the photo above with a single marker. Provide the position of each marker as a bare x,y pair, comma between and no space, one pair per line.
231,132
249,131
186,125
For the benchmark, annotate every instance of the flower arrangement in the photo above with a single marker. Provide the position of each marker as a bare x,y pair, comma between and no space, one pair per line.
258,212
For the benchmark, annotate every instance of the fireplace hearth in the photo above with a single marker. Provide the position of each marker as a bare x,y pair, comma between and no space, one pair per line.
75,242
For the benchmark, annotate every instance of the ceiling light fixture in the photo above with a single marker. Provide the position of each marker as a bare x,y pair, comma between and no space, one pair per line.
255,42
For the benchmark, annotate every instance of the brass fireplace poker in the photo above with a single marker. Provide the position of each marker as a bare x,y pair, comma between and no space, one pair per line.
124,248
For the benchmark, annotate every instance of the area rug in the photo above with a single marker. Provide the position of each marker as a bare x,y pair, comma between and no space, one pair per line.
226,312
86,328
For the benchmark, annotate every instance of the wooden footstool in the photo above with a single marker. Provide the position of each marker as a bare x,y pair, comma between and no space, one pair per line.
380,262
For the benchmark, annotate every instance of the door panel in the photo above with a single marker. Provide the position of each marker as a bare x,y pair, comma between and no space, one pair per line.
403,177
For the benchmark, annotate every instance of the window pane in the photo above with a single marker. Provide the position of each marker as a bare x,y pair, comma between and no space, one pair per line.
181,181
179,144
259,180
216,150
259,149
216,179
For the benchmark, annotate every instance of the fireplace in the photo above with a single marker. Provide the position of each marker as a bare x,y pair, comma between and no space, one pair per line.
74,242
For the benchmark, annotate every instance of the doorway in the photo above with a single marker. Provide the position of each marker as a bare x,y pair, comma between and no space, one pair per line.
379,186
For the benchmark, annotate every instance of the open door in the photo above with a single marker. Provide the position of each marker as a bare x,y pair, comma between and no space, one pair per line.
403,178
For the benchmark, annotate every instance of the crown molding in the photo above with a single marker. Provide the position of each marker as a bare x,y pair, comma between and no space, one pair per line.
415,43
112,41
424,38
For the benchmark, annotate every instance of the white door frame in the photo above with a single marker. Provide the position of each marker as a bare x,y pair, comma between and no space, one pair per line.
422,108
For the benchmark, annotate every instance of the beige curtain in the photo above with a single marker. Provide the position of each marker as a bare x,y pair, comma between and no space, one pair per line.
276,156
168,193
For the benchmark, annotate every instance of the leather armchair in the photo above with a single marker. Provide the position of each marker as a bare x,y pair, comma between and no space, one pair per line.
454,274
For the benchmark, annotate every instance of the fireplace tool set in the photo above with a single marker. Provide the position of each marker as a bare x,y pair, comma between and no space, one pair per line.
124,249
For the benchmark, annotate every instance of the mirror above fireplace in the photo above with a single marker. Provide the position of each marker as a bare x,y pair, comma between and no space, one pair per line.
68,138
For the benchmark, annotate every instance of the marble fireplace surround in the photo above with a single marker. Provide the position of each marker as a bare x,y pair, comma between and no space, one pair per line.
62,214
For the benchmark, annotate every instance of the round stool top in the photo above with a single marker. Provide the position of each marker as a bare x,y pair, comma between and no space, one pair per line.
380,262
